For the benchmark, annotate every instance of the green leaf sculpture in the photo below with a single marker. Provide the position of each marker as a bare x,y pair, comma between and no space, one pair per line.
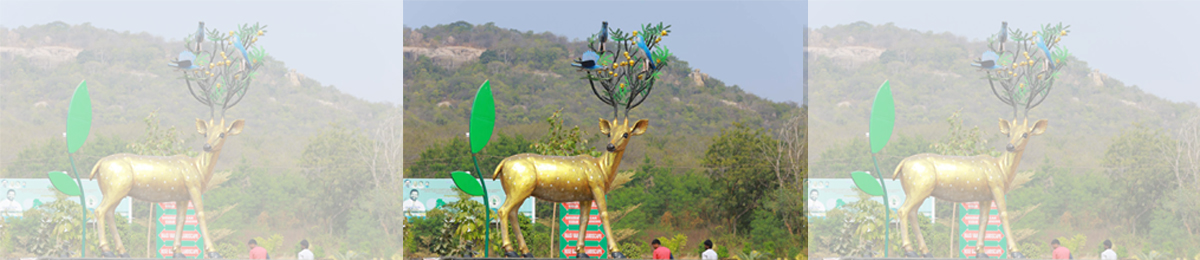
79,118
867,183
467,183
483,117
64,183
883,118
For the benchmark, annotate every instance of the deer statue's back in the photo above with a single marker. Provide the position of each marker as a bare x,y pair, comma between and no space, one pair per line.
953,178
552,178
149,178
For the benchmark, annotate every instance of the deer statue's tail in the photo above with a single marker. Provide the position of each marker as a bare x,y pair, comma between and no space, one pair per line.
898,167
498,167
95,169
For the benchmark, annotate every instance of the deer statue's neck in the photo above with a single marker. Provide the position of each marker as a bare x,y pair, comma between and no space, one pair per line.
206,161
1008,164
609,162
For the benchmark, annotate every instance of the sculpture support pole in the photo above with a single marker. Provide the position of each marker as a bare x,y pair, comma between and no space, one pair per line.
887,218
83,205
487,210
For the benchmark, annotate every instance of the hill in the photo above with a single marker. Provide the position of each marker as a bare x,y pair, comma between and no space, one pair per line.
128,79
931,78
531,78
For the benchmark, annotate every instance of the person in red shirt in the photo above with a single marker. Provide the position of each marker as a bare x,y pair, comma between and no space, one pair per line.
660,252
1060,252
257,252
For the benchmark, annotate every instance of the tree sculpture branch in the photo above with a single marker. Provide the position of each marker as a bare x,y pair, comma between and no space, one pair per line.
626,74
222,66
1024,72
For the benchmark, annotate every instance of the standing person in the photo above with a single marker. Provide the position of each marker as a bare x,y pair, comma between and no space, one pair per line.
256,252
304,253
709,253
660,252
1108,253
10,207
1060,252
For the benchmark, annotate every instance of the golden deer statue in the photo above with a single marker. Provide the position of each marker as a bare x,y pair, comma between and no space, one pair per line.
559,179
979,178
160,179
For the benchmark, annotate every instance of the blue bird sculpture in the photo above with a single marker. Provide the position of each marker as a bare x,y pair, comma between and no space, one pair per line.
238,43
603,35
1049,59
185,61
588,61
987,61
642,44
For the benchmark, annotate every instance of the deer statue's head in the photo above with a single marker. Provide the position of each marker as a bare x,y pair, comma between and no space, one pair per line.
1018,135
215,134
619,134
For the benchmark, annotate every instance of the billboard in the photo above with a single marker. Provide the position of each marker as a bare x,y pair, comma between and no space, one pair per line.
831,193
192,243
28,193
433,193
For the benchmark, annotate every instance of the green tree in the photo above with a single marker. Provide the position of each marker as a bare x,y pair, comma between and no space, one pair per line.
1134,160
737,168
336,173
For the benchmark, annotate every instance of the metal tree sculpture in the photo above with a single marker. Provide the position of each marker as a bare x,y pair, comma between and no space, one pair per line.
1017,77
626,73
218,73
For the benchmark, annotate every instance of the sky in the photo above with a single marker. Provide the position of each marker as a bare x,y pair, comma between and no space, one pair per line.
1150,44
353,45
757,45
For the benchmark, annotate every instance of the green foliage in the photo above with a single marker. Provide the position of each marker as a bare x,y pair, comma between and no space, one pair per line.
1134,161
635,250
677,243
736,168
855,229
963,142
271,244
339,174
1075,244
50,155
559,142
753,255
160,142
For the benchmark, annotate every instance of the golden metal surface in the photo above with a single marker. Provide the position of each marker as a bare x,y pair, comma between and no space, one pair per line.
979,178
564,179
160,179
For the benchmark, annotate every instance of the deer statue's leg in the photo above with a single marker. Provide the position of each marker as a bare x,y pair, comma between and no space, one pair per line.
516,224
112,196
508,217
585,210
917,188
112,225
180,220
985,208
601,202
195,193
998,193
915,219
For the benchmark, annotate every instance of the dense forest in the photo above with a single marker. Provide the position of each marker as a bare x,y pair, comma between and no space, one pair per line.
1115,162
711,166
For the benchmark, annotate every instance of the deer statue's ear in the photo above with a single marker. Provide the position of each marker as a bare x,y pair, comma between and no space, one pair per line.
201,126
1039,127
236,127
640,127
1004,126
605,128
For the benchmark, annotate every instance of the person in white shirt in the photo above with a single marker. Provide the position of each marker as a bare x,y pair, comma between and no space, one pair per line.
815,207
412,204
304,253
10,207
1108,252
708,254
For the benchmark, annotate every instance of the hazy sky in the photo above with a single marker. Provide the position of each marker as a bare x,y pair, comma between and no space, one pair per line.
1151,44
353,45
757,45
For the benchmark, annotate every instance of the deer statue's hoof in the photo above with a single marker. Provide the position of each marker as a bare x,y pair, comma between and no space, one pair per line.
124,255
618,255
981,254
911,254
107,254
928,255
511,254
179,255
214,255
581,255
527,255
1017,255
